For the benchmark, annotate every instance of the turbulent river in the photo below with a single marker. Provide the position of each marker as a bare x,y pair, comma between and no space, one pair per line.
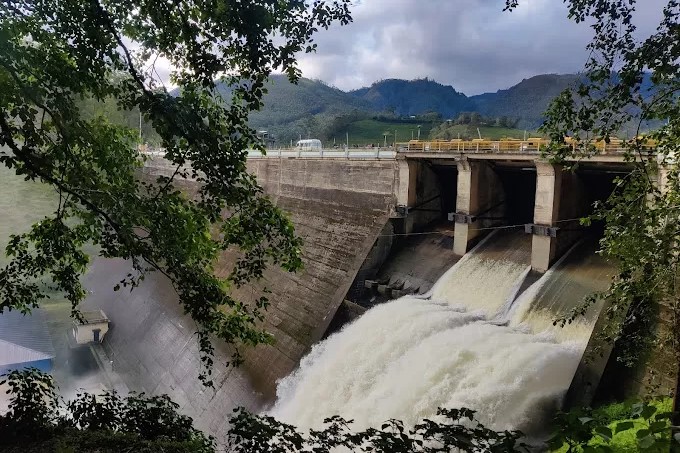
469,343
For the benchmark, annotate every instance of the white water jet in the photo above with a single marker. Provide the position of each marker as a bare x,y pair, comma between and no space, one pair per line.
406,358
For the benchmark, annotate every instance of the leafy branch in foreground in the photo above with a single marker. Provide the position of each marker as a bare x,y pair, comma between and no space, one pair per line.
38,419
630,426
54,54
453,429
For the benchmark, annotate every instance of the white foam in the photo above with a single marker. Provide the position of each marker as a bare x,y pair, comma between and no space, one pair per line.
469,344
406,358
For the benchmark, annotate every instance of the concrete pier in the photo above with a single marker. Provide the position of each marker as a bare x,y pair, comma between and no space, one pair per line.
480,194
560,198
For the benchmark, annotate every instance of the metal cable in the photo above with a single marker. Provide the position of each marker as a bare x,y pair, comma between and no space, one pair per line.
500,227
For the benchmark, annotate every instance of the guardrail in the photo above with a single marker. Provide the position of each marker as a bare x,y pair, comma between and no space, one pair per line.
532,145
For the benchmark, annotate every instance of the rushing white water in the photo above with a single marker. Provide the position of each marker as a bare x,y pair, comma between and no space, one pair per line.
406,358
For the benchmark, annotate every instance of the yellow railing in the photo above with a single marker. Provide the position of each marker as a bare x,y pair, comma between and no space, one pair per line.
517,146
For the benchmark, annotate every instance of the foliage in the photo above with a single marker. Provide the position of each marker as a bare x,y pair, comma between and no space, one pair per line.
642,215
38,421
55,54
447,131
623,427
455,429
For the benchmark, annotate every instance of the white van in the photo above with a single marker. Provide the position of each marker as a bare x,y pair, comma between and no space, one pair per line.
311,144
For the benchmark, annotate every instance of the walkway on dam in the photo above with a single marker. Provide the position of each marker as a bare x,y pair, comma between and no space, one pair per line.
507,149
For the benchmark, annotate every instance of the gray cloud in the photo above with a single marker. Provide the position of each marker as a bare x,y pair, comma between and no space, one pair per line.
470,44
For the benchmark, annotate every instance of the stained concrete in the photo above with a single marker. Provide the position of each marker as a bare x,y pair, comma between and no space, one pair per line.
338,207
419,261
479,193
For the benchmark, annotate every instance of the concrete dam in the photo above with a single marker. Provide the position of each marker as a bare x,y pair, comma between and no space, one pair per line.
481,252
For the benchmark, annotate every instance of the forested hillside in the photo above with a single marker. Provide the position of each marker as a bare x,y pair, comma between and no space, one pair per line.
414,97
525,101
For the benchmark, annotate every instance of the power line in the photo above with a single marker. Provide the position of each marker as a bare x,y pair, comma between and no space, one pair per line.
499,227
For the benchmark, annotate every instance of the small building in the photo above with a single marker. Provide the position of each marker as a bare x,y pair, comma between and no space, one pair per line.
92,327
25,342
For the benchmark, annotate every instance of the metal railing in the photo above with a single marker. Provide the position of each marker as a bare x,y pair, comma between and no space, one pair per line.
529,146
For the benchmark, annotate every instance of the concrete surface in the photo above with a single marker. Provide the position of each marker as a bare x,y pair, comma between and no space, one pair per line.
338,207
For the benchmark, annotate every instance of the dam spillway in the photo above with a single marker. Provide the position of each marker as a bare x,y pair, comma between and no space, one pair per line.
408,357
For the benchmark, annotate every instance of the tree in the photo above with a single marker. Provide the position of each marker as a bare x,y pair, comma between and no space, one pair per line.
463,118
55,53
38,420
630,81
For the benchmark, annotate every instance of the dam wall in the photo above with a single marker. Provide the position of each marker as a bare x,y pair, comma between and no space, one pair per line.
338,207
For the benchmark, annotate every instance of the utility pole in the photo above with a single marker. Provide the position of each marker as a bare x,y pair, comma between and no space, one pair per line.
395,139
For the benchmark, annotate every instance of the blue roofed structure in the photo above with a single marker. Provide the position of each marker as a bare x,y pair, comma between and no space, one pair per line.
25,342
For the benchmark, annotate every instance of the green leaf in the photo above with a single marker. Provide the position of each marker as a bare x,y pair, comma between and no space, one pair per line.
642,433
646,442
623,426
604,432
648,411
658,426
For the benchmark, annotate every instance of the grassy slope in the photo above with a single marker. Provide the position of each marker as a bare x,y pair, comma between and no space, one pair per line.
371,131
487,132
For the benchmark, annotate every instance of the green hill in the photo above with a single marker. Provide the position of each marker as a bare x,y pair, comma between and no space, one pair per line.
376,131
414,97
303,110
525,101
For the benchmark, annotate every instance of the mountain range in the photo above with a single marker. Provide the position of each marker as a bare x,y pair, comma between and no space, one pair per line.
312,108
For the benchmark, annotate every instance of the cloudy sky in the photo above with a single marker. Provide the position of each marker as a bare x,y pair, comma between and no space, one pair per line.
470,44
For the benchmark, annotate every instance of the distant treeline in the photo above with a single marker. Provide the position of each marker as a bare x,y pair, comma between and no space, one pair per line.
475,119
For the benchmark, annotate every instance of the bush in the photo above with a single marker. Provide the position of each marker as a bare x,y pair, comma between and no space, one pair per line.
38,421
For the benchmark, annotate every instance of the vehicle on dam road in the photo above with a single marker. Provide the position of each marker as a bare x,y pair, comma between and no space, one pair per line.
311,144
